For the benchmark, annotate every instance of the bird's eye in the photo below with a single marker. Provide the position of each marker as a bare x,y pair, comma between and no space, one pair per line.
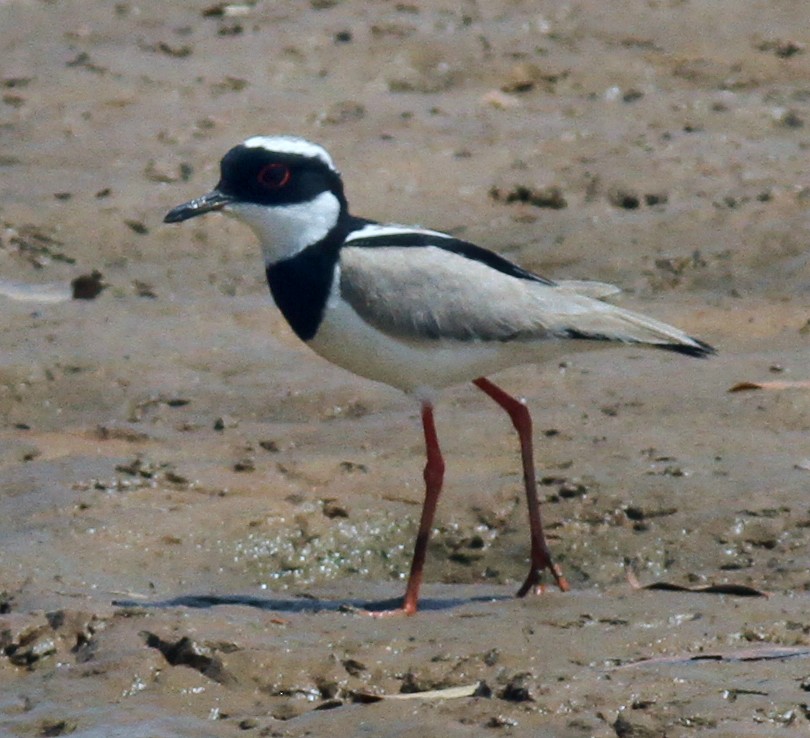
273,176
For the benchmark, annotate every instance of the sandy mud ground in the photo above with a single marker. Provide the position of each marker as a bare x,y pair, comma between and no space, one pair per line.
192,504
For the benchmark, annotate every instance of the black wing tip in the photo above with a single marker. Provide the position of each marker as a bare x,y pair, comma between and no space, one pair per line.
698,350
173,217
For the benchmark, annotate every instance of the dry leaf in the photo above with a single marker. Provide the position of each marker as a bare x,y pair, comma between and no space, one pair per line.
433,694
739,590
747,654
776,385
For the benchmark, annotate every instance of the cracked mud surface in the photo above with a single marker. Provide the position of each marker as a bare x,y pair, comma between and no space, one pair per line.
193,506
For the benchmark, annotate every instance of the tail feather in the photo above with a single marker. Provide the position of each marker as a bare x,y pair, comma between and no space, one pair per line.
689,347
700,349
626,326
584,315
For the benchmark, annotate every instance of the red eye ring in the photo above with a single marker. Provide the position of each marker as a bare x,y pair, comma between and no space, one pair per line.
273,176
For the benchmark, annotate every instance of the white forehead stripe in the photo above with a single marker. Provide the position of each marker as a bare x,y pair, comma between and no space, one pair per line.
291,145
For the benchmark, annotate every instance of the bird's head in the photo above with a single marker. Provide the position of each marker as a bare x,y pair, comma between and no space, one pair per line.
287,189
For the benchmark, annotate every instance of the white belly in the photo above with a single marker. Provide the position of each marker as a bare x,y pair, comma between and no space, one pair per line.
410,365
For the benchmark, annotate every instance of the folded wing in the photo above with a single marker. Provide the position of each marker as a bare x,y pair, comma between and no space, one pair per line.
431,293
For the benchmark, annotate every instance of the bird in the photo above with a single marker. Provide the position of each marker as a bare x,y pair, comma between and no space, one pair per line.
414,308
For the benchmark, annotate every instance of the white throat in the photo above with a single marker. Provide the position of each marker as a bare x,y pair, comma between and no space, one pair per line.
284,230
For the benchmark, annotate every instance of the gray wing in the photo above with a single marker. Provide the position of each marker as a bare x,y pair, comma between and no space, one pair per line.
429,293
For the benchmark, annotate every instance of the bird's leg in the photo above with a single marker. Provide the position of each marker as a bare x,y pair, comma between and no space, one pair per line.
434,476
540,553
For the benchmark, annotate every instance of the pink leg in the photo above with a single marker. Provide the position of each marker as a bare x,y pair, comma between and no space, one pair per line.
434,476
540,553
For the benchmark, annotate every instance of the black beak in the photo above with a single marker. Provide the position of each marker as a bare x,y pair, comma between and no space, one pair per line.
214,200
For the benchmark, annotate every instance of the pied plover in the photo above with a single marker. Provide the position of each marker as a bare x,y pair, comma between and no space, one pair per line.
414,308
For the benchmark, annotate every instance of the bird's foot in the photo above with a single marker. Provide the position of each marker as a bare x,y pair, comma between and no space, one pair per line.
534,584
396,612
388,609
